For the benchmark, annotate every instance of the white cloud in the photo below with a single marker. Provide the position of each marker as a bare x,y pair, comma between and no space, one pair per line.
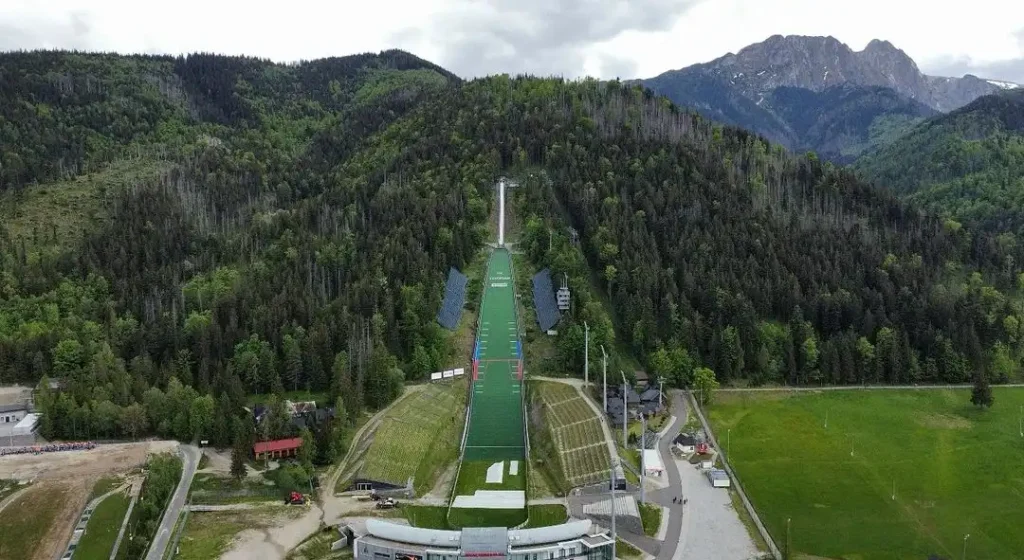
567,37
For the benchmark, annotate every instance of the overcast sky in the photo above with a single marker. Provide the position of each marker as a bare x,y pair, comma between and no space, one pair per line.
602,38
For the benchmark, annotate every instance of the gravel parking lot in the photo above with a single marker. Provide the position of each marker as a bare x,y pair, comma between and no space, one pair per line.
711,528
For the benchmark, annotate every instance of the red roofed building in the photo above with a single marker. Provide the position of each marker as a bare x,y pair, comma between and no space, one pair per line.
276,449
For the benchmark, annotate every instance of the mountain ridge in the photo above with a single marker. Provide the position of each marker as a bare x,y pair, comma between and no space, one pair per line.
844,87
799,61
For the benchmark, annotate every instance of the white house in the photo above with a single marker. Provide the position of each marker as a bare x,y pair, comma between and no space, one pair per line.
10,415
685,443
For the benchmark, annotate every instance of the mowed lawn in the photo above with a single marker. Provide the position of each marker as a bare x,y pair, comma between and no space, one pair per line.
417,435
101,532
957,470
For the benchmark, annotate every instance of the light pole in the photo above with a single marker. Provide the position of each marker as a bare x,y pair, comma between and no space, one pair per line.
788,519
604,379
728,444
964,555
826,418
643,449
625,410
586,354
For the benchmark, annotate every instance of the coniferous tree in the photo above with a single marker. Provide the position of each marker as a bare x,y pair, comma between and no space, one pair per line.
981,394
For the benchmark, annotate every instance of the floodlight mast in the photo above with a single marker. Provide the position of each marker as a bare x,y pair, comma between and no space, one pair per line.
643,451
586,354
625,410
604,380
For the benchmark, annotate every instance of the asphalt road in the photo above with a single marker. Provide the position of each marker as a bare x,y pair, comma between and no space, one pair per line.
190,455
664,496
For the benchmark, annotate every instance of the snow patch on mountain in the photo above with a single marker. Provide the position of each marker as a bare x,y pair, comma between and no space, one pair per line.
1004,85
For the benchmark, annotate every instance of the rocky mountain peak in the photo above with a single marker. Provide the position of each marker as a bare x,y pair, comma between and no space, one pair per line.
818,63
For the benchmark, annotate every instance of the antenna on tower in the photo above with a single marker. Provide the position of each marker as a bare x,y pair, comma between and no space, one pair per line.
563,295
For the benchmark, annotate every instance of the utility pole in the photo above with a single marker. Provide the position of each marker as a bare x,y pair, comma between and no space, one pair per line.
625,410
586,354
604,381
728,444
661,392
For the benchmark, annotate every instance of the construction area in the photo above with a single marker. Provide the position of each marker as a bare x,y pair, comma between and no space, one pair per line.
54,494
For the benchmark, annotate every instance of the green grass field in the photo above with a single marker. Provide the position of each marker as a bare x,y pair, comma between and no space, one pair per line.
468,517
577,433
650,516
473,476
101,532
956,470
418,436
104,485
37,508
546,515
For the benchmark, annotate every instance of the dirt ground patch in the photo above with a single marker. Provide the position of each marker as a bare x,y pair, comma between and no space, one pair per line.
47,512
220,463
104,459
944,422
210,534
276,540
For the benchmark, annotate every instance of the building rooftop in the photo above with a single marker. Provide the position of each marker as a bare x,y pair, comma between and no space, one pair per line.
650,395
718,474
277,445
14,407
685,439
479,541
484,541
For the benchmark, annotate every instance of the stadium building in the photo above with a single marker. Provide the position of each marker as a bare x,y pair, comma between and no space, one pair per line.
576,540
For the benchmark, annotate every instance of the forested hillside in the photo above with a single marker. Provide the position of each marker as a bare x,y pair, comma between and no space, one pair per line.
968,165
289,227
232,225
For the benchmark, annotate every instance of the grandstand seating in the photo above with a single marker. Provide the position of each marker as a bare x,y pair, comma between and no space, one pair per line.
454,299
544,300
